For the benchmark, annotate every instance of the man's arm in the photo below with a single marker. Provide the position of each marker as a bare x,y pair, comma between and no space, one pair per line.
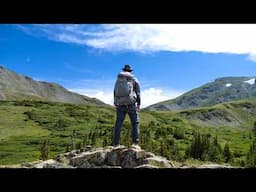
115,98
137,91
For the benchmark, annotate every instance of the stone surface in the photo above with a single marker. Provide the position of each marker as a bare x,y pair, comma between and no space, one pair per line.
214,166
158,162
51,164
107,157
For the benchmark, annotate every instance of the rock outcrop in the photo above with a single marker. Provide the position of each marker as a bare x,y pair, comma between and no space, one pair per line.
107,157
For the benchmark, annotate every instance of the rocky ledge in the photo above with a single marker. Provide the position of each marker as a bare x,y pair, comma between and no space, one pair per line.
107,157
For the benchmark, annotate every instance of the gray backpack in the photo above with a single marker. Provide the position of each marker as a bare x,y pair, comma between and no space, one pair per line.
124,89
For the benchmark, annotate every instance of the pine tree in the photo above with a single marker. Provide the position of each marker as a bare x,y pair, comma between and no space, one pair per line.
227,153
199,147
67,149
178,133
254,129
195,150
93,138
45,150
73,144
161,148
105,142
79,145
215,151
205,145
251,155
84,141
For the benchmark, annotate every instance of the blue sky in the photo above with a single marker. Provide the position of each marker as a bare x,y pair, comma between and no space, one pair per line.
168,59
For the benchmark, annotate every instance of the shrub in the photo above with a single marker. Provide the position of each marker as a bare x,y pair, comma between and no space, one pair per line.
178,133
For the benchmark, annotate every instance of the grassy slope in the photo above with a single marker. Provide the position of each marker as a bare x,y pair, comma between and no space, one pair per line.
210,94
15,134
25,125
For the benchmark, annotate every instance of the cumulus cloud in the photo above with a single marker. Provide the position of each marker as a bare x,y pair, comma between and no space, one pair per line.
149,96
104,95
252,57
154,95
211,38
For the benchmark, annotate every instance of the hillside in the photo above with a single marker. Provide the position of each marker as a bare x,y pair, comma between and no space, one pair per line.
238,114
26,125
221,90
17,87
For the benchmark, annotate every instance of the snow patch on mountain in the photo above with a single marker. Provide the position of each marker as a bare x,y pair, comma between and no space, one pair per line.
250,81
228,84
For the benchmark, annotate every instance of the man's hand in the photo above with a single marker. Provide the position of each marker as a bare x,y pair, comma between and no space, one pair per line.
138,108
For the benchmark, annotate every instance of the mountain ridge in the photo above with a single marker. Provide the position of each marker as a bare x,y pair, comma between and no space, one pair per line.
221,90
18,87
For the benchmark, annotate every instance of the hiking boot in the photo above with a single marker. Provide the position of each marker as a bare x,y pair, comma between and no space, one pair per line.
135,146
117,146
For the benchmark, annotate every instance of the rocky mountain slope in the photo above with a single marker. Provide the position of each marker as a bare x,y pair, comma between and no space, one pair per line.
17,87
221,90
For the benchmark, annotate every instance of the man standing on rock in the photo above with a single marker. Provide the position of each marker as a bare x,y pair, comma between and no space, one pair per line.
127,100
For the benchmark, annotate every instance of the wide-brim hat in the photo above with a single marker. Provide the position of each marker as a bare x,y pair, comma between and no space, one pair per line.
127,68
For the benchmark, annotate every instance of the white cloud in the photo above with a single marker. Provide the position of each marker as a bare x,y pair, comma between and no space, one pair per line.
104,95
212,38
148,96
252,57
97,88
154,95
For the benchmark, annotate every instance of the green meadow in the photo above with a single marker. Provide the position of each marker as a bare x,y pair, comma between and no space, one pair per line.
26,125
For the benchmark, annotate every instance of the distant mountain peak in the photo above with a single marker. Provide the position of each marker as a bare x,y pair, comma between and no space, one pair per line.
221,90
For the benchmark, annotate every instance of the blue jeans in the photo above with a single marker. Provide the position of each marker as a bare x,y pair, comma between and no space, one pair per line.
120,116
